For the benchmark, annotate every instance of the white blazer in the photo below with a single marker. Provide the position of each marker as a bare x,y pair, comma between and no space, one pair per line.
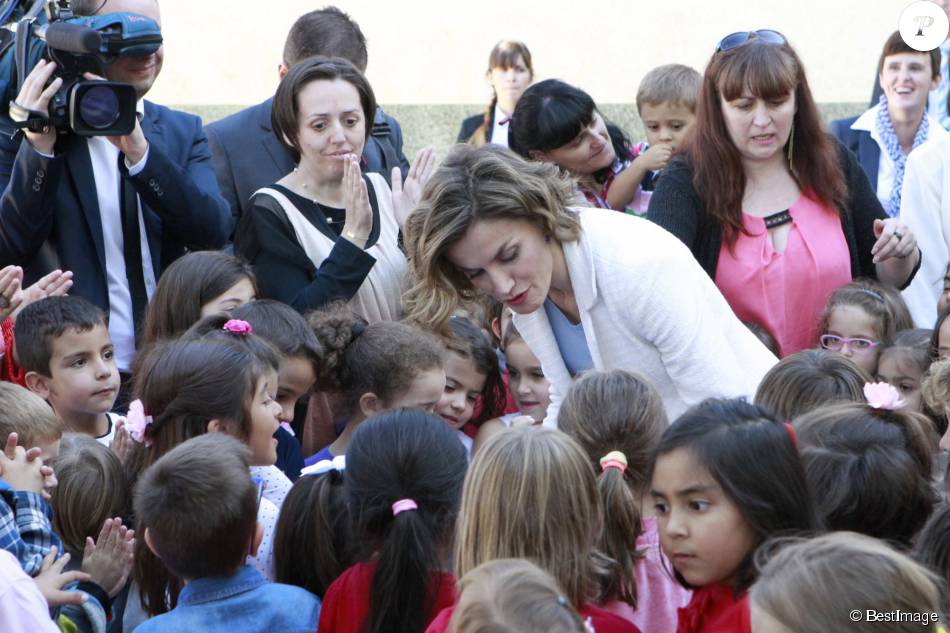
646,305
925,208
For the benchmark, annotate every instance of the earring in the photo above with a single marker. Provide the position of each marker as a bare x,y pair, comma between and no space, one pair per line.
790,153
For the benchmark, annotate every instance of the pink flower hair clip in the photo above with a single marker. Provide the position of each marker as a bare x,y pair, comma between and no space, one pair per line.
239,327
137,423
882,395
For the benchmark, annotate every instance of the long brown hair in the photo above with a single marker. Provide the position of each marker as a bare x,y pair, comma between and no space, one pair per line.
622,411
769,71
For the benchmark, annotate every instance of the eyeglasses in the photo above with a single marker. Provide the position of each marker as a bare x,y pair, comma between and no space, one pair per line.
739,38
835,343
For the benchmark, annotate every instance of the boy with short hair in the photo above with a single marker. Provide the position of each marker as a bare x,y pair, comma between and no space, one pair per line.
26,530
198,507
63,345
666,102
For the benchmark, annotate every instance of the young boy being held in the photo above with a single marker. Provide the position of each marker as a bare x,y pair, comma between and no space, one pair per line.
63,345
197,508
666,102
25,516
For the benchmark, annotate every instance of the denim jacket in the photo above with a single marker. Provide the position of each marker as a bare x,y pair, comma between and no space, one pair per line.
243,601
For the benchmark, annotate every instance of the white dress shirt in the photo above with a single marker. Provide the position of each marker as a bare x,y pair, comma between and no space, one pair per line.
105,160
499,132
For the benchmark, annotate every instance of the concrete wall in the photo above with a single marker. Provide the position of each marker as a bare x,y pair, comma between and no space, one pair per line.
427,57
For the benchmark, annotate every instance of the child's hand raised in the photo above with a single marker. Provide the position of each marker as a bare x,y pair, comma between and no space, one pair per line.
656,158
121,443
23,470
51,580
108,561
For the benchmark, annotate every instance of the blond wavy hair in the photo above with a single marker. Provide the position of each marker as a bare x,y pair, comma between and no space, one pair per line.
471,185
512,596
531,493
936,386
815,586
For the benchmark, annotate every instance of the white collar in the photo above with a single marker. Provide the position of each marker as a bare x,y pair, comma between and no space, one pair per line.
499,116
867,121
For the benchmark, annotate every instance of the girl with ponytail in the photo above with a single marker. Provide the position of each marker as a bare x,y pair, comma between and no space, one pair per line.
617,417
404,473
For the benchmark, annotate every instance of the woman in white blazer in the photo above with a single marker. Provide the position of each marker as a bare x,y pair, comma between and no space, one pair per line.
590,288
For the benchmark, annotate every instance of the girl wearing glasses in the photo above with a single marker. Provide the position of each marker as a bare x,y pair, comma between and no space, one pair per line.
774,210
857,322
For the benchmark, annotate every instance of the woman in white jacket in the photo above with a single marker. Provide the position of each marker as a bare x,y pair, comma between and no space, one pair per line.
589,288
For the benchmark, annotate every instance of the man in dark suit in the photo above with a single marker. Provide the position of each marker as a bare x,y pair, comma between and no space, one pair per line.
247,155
115,211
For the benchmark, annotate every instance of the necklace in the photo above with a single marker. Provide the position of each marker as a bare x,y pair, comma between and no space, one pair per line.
325,210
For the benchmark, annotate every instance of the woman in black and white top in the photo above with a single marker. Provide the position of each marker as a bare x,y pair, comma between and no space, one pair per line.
324,231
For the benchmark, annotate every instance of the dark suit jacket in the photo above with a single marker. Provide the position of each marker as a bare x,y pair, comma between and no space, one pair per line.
49,212
470,124
248,156
861,144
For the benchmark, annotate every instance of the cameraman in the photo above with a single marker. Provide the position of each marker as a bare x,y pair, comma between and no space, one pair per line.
71,202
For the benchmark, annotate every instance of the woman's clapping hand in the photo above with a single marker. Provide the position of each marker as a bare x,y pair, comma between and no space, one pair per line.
406,195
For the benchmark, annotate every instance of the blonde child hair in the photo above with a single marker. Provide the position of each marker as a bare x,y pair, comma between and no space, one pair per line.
531,493
608,411
29,416
936,393
512,596
92,488
817,585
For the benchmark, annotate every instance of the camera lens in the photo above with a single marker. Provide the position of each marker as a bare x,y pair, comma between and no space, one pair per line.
99,107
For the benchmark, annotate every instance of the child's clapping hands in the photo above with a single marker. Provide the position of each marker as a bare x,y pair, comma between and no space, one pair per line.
108,560
23,470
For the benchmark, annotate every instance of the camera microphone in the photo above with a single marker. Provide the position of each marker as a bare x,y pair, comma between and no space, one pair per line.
72,38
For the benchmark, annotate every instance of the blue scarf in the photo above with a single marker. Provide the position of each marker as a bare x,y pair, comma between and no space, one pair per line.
893,148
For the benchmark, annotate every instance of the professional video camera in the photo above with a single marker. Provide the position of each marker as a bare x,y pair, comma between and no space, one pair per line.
48,29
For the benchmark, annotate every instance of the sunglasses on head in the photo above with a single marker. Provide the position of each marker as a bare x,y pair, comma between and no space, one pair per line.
739,38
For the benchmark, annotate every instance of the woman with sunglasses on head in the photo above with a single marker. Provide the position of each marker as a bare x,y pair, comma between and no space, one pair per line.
774,210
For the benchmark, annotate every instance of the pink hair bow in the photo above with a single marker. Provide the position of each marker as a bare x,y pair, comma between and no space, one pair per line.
136,422
882,395
237,326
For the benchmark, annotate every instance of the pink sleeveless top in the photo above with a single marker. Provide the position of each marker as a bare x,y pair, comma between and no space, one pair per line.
785,292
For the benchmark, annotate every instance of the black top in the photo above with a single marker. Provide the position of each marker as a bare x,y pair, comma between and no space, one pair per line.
472,123
266,239
676,207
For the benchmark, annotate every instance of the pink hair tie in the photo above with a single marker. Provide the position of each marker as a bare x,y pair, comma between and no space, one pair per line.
614,459
792,435
404,505
237,326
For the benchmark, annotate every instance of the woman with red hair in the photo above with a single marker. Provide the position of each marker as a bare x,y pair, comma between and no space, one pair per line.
773,208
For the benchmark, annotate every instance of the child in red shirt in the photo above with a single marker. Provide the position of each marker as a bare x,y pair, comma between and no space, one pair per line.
727,476
404,473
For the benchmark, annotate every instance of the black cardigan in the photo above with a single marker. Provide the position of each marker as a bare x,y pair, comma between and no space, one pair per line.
676,207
